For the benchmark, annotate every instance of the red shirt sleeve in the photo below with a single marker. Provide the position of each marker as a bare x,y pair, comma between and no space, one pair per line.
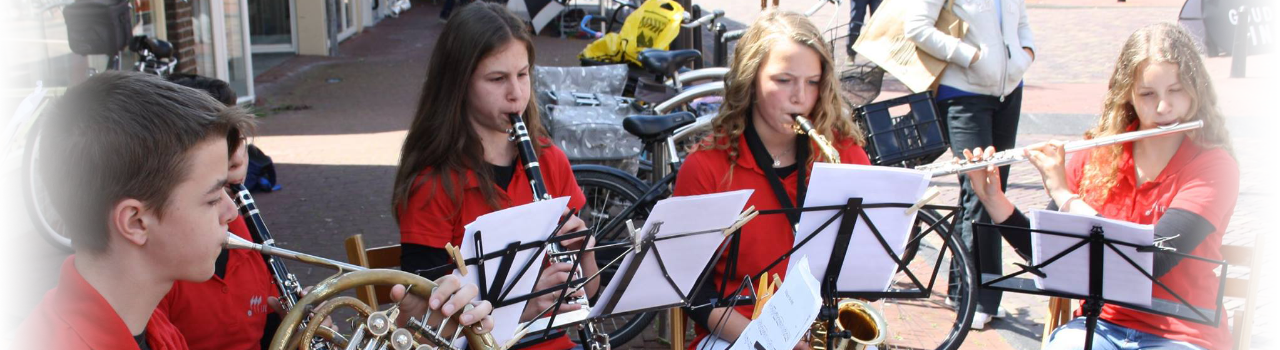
851,153
696,175
561,172
1075,170
430,218
1210,188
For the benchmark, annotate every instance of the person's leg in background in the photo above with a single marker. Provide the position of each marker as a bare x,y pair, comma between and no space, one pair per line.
971,123
857,17
448,8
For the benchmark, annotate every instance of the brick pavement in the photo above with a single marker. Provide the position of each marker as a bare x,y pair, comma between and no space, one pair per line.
334,127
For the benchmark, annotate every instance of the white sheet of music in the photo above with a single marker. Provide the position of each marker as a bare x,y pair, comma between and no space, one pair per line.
1070,274
684,257
525,223
787,315
866,266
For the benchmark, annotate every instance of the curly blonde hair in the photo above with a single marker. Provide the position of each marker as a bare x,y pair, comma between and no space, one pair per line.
740,83
1157,43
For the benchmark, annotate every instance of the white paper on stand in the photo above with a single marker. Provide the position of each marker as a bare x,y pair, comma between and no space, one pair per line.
787,315
867,268
684,257
1070,274
521,224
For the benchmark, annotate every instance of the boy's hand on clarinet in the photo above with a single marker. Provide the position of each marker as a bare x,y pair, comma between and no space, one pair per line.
275,305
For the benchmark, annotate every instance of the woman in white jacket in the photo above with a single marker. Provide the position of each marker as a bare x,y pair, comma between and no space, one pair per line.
980,93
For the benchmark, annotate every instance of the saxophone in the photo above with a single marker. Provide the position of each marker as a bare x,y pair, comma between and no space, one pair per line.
854,319
802,126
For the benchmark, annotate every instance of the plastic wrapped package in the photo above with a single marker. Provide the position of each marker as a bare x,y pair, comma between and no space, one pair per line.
607,79
592,132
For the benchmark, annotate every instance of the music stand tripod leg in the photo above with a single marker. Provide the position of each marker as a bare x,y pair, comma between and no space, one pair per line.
1093,305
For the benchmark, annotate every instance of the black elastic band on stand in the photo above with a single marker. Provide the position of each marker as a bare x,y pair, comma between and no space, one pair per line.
765,162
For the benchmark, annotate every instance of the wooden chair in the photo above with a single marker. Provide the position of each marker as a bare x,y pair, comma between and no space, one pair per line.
374,258
1246,287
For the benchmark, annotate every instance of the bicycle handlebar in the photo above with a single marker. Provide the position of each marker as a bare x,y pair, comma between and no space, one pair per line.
704,20
734,35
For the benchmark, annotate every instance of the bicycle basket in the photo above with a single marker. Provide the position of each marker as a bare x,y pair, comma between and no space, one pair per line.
607,79
592,132
913,137
98,27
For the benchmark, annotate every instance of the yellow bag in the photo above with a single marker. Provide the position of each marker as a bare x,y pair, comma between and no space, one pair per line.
654,25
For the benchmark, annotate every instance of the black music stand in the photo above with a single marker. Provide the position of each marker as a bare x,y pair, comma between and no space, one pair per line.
1097,244
646,245
500,294
854,208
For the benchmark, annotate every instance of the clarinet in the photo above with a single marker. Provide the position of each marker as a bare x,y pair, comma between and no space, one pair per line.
290,288
529,158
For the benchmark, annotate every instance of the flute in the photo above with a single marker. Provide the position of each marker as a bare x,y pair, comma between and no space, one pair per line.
1016,155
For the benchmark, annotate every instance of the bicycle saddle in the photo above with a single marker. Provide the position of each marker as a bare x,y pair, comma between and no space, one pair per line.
666,63
648,127
159,48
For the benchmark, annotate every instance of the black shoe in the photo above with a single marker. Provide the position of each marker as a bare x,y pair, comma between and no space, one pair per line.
849,49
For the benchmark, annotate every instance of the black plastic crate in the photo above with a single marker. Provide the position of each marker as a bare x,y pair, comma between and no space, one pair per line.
911,139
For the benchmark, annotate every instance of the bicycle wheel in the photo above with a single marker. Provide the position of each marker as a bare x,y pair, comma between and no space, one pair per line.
931,322
48,224
607,196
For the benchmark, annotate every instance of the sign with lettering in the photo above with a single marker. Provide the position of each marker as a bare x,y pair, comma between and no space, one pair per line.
1221,17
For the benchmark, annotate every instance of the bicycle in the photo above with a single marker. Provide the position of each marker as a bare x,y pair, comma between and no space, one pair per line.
154,57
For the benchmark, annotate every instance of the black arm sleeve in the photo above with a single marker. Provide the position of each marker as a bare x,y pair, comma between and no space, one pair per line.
705,295
417,257
273,323
1191,229
1020,240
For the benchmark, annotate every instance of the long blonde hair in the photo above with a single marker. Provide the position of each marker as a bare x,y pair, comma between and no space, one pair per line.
740,83
1156,43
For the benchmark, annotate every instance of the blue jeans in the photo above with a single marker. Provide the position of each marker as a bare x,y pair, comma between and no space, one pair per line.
858,16
1109,336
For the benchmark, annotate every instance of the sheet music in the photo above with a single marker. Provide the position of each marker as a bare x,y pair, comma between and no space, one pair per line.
526,223
1070,274
684,257
866,266
786,317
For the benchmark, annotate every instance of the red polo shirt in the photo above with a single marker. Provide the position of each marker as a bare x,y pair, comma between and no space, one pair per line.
74,316
229,312
433,220
766,237
1199,180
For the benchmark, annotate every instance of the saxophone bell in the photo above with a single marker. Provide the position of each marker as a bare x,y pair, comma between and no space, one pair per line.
863,325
